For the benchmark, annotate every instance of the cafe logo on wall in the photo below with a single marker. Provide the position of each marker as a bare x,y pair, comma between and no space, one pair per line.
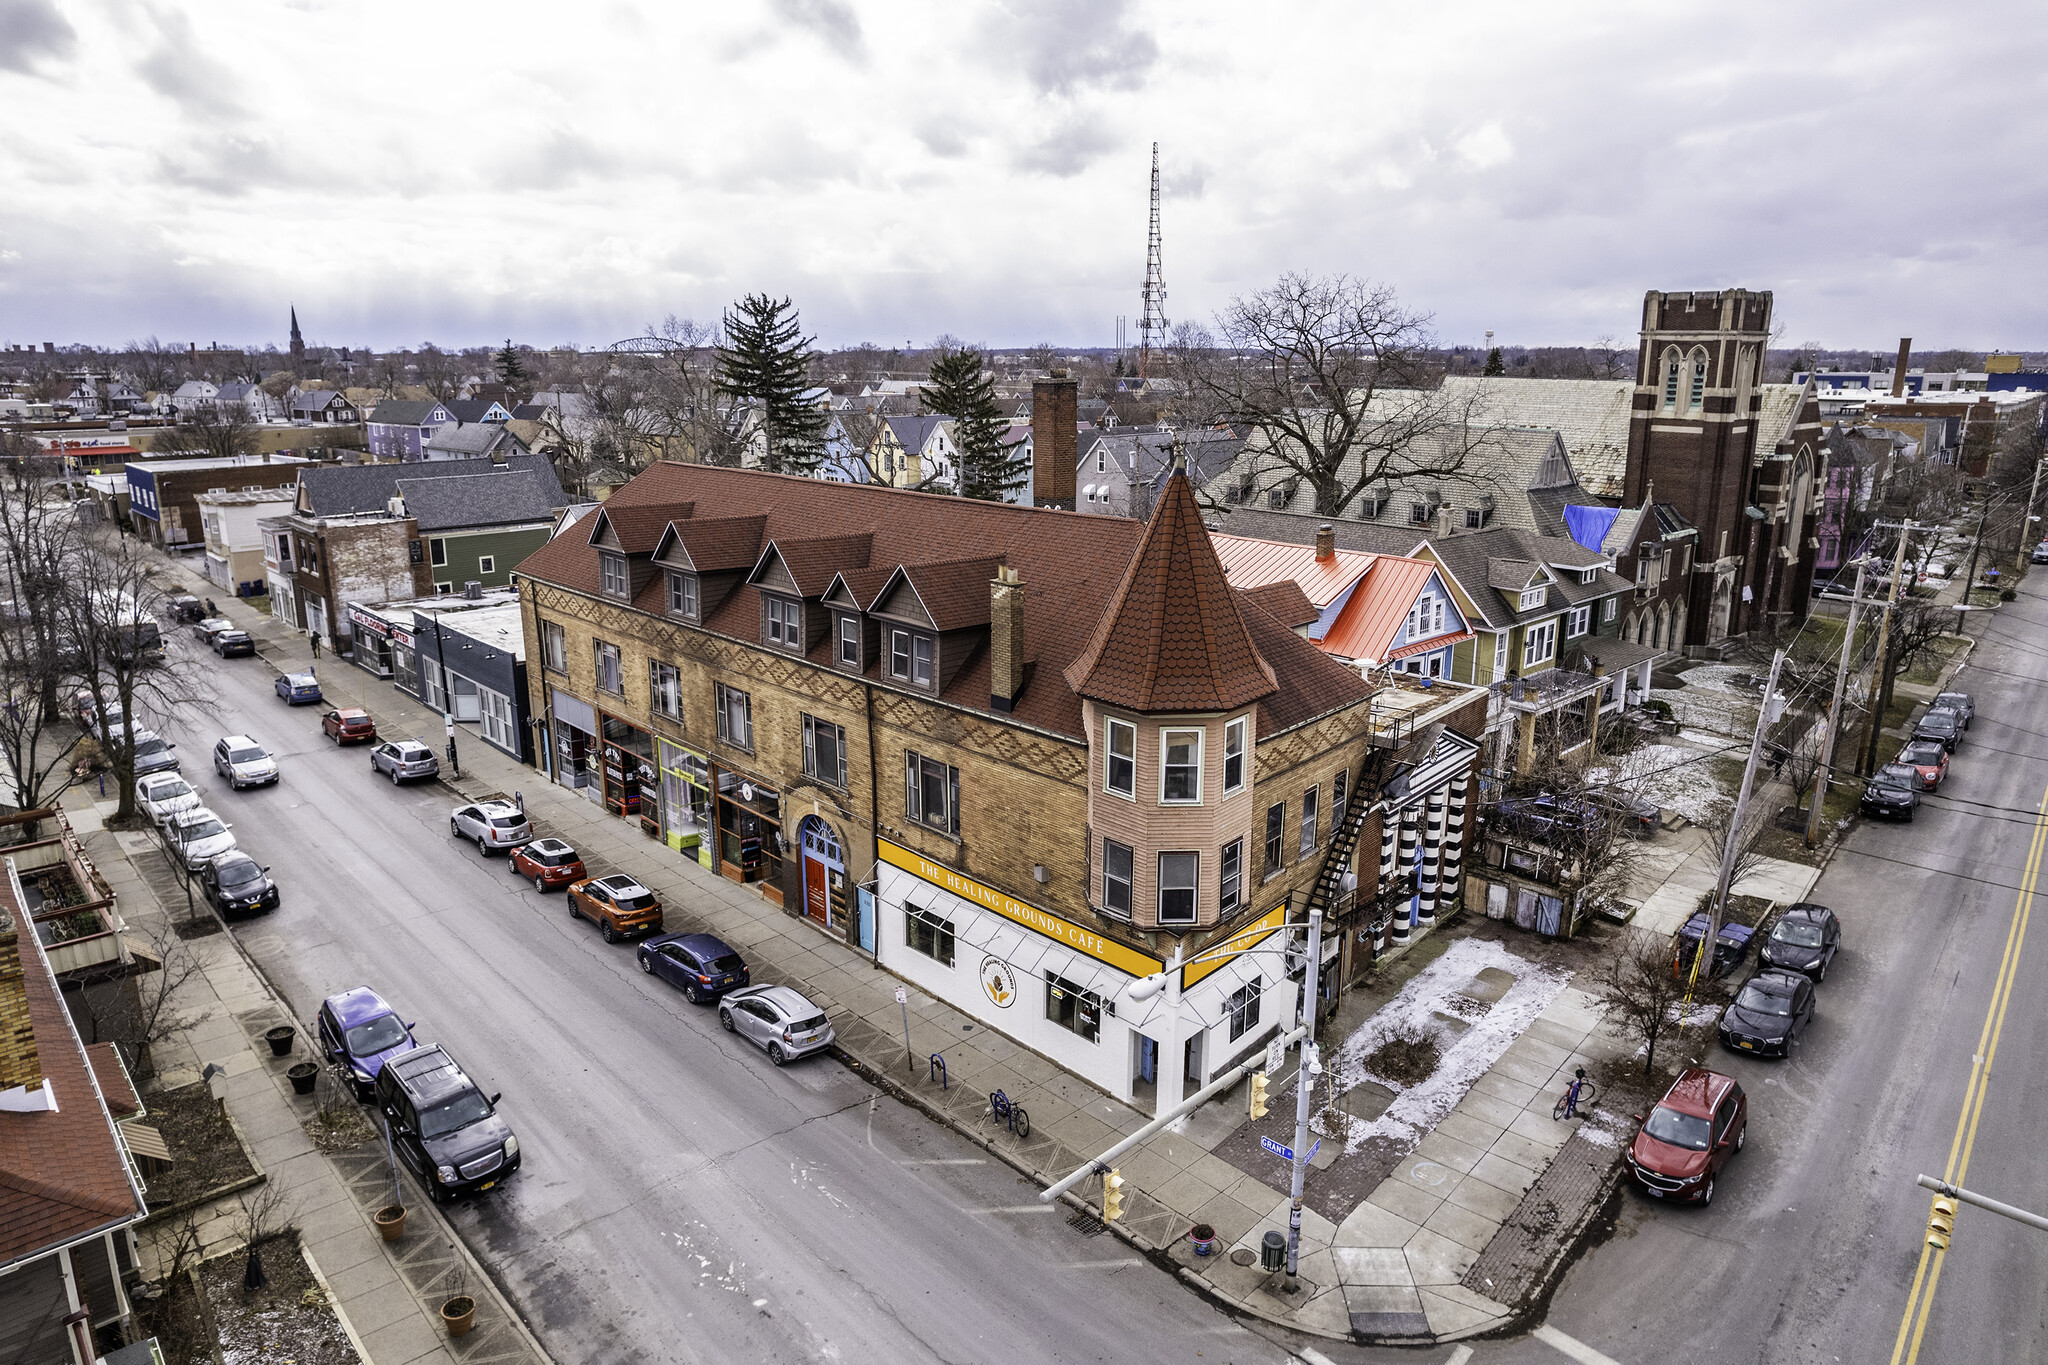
999,981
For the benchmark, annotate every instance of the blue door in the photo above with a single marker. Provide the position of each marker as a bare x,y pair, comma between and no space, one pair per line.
867,919
1148,1059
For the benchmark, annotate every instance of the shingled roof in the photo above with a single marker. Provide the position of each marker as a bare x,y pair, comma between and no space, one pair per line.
1173,638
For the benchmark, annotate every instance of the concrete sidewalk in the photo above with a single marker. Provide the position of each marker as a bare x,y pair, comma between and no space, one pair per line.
388,1295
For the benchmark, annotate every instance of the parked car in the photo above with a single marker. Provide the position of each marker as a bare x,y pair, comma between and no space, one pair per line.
1805,939
1892,791
2040,555
298,688
778,1019
1631,814
1941,725
1928,758
443,1125
198,836
244,762
233,644
236,885
358,1033
86,708
1768,1014
1959,702
549,863
616,904
1548,816
401,759
490,825
349,726
704,967
163,795
184,609
1686,1140
205,629
1731,945
154,753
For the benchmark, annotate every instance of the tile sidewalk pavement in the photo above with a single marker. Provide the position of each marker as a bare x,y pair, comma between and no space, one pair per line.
388,1295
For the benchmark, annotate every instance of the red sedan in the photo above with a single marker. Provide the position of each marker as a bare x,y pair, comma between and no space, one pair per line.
1686,1140
352,726
1929,760
548,863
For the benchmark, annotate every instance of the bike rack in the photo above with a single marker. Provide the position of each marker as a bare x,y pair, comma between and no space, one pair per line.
937,1065
1011,1115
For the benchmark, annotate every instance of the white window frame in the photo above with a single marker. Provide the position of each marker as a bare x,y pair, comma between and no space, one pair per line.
437,552
1545,635
733,704
486,564
620,585
1534,598
617,674
1502,641
494,718
1608,612
1165,741
1112,731
812,726
682,596
848,646
664,689
1236,734
1578,621
1310,835
1230,878
554,647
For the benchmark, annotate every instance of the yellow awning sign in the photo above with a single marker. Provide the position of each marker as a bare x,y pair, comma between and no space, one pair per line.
1104,950
1248,937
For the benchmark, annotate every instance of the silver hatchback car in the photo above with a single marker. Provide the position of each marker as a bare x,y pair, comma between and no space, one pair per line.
400,759
778,1019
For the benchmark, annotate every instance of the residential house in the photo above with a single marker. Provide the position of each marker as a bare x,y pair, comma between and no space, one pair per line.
163,494
193,394
478,410
399,428
70,1195
916,452
1122,469
472,441
254,402
234,544
321,406
1022,759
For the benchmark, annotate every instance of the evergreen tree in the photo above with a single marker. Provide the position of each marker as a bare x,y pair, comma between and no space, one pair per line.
1494,364
511,372
989,465
765,362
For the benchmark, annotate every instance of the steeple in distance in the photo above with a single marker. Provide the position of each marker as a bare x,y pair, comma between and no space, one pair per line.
298,347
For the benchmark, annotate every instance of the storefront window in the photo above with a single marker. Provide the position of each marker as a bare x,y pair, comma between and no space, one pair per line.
629,776
1072,1008
405,670
750,829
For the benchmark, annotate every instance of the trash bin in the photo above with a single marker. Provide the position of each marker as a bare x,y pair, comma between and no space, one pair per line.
1273,1251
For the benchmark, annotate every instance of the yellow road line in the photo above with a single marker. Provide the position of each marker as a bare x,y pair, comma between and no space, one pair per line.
1913,1323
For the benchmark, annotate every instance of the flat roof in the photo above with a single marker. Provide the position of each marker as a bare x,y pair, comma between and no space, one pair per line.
245,496
497,625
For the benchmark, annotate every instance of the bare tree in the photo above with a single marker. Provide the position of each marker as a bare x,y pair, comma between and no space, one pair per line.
140,1011
1335,382
222,430
1749,854
153,365
1639,992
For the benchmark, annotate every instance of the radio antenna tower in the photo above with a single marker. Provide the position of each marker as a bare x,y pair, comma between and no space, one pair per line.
1152,325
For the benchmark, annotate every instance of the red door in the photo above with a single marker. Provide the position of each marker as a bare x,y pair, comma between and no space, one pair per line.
817,892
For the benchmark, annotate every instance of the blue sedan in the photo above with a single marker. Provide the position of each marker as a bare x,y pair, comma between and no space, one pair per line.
298,688
703,966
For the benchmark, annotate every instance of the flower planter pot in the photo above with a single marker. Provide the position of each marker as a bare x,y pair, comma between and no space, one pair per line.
390,1221
303,1076
1204,1238
457,1314
280,1040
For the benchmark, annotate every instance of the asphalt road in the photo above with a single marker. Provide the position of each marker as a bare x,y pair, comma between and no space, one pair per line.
681,1199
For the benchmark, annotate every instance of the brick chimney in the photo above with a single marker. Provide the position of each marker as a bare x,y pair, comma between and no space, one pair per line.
1006,636
1326,543
19,1064
1055,420
1899,369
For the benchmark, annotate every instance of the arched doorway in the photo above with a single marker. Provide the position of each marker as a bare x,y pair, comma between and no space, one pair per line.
824,869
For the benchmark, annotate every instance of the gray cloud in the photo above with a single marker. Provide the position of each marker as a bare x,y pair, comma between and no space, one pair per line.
1068,46
833,21
180,69
1069,147
33,30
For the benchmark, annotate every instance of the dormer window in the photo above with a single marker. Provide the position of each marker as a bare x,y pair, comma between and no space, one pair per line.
1426,617
682,595
612,568
1534,598
784,627
847,650
910,657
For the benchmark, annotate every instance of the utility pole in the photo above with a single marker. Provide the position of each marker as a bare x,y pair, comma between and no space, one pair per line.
1304,1091
1879,692
1827,743
2027,517
1970,579
1703,961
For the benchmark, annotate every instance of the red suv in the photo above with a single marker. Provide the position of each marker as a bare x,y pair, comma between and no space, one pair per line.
1689,1136
548,863
352,726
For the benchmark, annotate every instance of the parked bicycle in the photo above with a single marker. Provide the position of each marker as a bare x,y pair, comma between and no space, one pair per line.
1579,1095
1011,1116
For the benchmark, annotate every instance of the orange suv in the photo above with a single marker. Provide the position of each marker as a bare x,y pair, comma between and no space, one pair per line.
617,904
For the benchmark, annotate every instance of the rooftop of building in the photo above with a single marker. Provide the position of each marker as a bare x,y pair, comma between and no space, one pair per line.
248,497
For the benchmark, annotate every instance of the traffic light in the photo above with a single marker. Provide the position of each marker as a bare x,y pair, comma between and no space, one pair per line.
1941,1223
1258,1094
1112,1197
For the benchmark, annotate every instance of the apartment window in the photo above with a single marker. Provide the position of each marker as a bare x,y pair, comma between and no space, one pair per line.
1180,766
1243,1008
735,715
1476,518
1116,878
931,793
926,933
849,641
921,660
665,689
784,623
682,595
1309,801
1538,643
611,674
554,644
1577,622
1426,617
1120,745
437,552
486,564
1230,879
1276,825
1073,1009
612,574
899,654
1233,755
1179,876
1607,612
825,751
1337,781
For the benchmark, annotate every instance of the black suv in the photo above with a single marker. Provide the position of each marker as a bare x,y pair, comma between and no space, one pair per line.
444,1127
1892,792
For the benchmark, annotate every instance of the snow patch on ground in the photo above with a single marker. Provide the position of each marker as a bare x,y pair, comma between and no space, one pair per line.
1675,777
1418,1108
1718,698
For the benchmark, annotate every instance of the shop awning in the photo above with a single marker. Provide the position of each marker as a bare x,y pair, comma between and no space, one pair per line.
575,711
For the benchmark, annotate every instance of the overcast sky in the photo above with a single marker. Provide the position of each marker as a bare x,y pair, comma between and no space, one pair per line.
572,173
